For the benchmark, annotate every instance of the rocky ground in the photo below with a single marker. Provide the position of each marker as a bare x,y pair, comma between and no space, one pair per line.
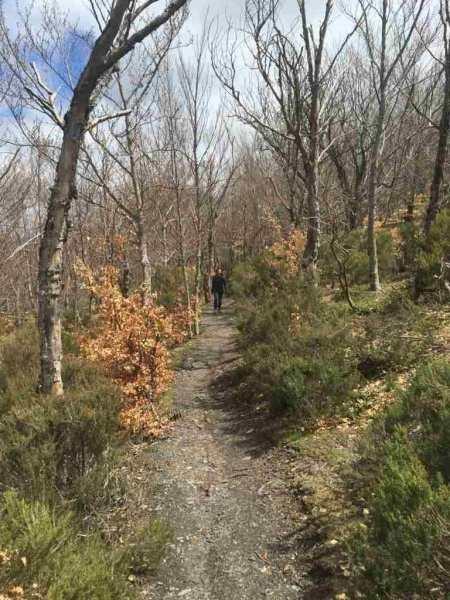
218,482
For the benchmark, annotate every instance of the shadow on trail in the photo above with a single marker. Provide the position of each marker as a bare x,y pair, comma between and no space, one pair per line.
251,425
221,482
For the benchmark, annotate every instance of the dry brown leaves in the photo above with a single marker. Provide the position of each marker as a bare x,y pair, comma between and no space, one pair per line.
131,339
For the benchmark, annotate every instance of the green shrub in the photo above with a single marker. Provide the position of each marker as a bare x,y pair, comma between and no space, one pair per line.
425,412
146,548
32,533
406,551
58,468
20,351
261,369
48,445
410,245
91,570
296,348
357,262
290,391
45,550
312,387
70,343
252,280
168,284
267,322
430,257
101,486
19,362
395,335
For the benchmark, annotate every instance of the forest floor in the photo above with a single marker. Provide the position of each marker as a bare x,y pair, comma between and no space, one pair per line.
222,485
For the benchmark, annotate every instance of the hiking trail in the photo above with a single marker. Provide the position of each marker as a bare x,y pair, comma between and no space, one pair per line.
216,482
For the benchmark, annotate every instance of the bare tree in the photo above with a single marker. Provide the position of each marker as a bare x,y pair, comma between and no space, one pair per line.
177,175
127,143
389,31
444,123
349,138
125,25
291,107
208,144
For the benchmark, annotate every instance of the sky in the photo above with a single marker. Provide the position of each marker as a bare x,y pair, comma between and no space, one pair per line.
222,9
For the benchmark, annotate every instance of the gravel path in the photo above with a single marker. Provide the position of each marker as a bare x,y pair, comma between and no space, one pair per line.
217,484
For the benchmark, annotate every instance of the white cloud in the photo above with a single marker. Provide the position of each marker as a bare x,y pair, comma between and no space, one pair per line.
233,10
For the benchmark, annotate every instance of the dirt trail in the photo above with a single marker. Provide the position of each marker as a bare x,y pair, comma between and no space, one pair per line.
218,486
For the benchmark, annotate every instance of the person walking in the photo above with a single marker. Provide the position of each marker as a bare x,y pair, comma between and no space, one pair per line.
218,288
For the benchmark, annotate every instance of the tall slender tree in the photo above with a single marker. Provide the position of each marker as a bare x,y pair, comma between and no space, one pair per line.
125,24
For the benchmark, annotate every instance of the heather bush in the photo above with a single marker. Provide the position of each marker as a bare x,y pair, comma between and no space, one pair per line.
146,548
59,471
44,554
48,445
433,260
354,246
405,550
296,348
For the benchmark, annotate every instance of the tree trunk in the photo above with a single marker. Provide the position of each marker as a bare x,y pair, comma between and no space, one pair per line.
164,245
372,250
62,193
146,267
125,278
187,291
441,157
198,287
209,267
51,249
354,214
311,252
182,251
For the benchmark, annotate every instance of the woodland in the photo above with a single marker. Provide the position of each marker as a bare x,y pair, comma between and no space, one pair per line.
304,151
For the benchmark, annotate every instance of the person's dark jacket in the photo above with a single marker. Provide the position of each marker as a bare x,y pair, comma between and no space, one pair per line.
218,284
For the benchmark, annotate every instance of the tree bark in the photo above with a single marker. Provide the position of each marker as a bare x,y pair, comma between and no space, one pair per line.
372,250
102,58
311,252
181,243
146,267
441,157
198,287
52,244
209,266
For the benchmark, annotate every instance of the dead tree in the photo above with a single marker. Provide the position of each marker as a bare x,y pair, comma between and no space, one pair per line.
291,105
387,30
444,123
207,155
125,25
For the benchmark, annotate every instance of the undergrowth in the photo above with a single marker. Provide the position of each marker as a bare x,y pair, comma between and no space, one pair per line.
296,348
59,473
404,548
325,366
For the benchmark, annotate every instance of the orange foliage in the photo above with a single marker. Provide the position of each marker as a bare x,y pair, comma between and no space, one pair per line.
288,252
131,340
6,326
